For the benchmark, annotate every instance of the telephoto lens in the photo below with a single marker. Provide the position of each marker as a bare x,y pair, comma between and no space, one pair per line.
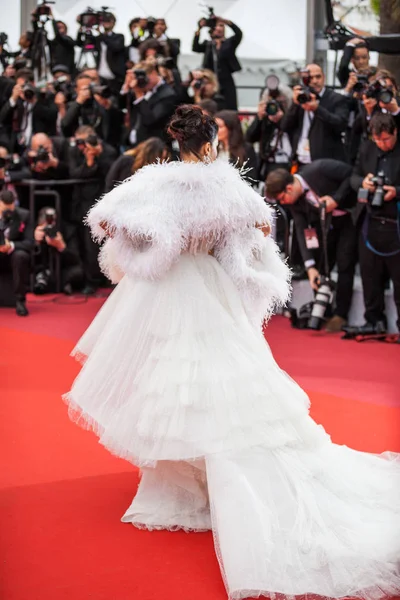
323,299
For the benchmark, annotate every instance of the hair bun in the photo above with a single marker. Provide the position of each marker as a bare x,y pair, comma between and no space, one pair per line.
186,122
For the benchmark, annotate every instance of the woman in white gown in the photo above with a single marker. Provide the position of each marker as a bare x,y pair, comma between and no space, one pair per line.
178,379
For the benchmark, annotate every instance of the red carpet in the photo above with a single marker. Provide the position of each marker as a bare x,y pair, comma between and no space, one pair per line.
62,494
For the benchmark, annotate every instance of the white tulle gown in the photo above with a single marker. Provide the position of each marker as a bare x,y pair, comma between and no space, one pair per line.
178,381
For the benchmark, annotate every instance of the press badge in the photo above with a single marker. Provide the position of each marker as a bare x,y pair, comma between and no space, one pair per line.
310,235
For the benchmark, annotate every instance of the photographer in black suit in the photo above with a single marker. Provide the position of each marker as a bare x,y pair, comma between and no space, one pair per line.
220,57
315,127
89,159
62,47
151,103
355,52
377,173
110,48
16,243
324,180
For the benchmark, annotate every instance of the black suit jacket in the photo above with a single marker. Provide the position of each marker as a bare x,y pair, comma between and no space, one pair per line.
44,119
329,123
227,61
150,117
115,43
367,162
21,231
108,123
325,177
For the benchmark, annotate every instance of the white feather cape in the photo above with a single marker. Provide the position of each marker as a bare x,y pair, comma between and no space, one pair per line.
154,214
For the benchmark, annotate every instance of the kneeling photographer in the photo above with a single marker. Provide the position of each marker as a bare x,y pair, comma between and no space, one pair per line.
16,243
274,144
53,244
94,107
376,178
323,239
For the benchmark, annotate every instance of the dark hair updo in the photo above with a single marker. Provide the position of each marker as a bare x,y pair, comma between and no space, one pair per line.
192,129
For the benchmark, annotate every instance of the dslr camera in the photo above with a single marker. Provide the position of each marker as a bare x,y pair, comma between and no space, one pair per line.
101,90
166,62
91,18
306,89
380,91
211,20
272,106
29,91
42,155
91,140
141,78
3,38
376,198
42,12
361,84
7,218
64,86
51,223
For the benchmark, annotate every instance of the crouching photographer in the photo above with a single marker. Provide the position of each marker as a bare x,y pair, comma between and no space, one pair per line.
16,243
376,178
56,248
319,198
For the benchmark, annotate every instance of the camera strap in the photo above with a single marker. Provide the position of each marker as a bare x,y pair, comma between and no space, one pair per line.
365,229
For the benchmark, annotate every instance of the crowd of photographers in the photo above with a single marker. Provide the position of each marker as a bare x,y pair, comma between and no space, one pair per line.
329,160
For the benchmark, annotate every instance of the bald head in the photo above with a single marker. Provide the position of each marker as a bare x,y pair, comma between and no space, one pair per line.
317,77
41,139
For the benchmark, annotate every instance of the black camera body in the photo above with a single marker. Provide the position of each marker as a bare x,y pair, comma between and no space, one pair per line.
100,90
361,84
42,155
166,62
380,92
198,83
42,12
51,229
91,140
3,38
141,78
211,20
5,221
64,86
91,18
306,90
29,91
272,107
376,198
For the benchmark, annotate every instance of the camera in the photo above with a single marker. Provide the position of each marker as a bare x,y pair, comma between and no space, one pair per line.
166,62
361,84
272,85
42,12
380,91
5,161
42,281
376,198
3,38
141,78
101,90
29,91
5,221
307,90
151,23
198,83
323,299
64,86
51,225
94,18
91,140
211,20
42,155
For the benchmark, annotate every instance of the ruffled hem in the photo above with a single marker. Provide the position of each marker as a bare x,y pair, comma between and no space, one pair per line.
166,528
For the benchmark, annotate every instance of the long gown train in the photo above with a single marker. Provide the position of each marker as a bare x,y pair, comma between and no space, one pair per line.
177,381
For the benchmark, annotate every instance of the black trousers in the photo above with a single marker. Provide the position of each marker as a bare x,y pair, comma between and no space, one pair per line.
88,252
342,251
18,265
383,236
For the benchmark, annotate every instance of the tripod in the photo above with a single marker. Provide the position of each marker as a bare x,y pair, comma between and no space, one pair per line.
41,54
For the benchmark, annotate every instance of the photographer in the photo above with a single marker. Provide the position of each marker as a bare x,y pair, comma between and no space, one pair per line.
45,158
274,144
16,243
137,27
62,47
92,108
355,52
377,173
110,48
26,112
12,169
202,85
327,181
153,103
373,94
89,159
219,55
172,47
52,241
316,120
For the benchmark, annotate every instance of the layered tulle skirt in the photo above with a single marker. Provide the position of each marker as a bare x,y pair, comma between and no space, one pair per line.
178,381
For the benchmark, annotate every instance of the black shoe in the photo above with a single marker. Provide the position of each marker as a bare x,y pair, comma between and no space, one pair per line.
89,290
367,329
68,289
20,308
